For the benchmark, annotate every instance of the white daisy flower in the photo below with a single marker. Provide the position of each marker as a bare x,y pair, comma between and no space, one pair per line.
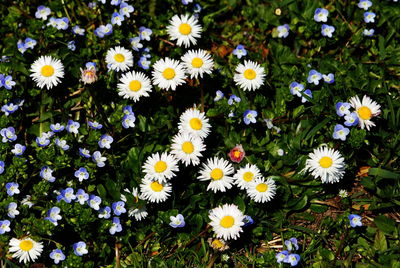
47,71
366,109
261,190
134,85
249,76
168,73
227,221
194,122
119,59
187,148
197,63
139,212
217,171
326,163
25,249
245,175
155,192
184,29
160,167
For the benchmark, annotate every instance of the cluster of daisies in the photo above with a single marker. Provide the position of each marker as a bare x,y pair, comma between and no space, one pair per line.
369,17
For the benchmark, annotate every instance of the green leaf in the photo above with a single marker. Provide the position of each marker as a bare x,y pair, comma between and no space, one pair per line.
385,224
380,242
386,174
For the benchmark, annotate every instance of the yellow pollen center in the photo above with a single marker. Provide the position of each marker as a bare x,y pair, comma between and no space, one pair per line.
47,70
262,187
26,245
187,147
160,166
168,73
325,162
227,221
250,74
135,85
217,174
236,154
248,176
364,113
195,123
197,62
156,187
119,57
217,243
185,29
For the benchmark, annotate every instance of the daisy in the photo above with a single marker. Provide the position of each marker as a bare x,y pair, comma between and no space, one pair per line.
187,148
226,221
47,71
184,29
119,59
326,163
194,122
249,76
366,109
160,167
134,85
154,191
218,171
25,249
168,73
197,63
245,175
261,190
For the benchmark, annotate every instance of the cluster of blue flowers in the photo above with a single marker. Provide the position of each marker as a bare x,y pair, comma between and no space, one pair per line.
128,121
351,119
117,18
369,17
23,46
144,35
287,256
321,15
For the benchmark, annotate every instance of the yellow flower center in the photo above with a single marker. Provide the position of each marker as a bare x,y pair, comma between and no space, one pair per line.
197,62
262,187
185,29
26,245
325,162
160,166
236,154
248,176
364,113
217,174
217,244
135,85
168,73
47,70
227,221
250,74
196,123
187,147
156,187
119,57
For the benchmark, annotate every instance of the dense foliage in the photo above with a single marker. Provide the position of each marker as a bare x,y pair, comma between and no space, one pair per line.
286,129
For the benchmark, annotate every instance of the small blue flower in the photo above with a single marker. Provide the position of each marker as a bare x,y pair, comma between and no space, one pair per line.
103,30
12,188
249,116
247,220
18,149
368,32
342,108
329,78
291,244
281,256
296,88
118,207
95,125
340,132
42,12
186,2
116,226
53,215
115,2
127,110
47,174
283,31
128,120
30,43
12,210
82,174
197,8
144,63
351,119
56,127
62,144
94,202
145,33
135,43
62,23
308,93
72,126
117,18
4,226
57,255
314,77
71,45
105,212
105,141
21,46
239,51
321,15
52,22
8,134
67,195
80,248
126,9
293,259
77,30
327,30
355,220
2,164
84,152
369,17
81,196
42,141
233,98
177,221
364,4
9,108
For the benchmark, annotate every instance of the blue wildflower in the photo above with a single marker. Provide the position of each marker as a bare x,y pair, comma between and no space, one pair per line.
239,51
12,188
72,126
308,93
291,244
117,18
105,141
355,220
127,110
18,149
56,127
47,174
321,15
177,221
115,2
293,259
186,2
351,119
42,12
364,4
329,78
95,125
105,212
247,220
94,202
103,30
80,248
2,164
128,120
62,23
42,141
126,9
197,8
9,108
81,196
144,63
8,134
71,45
81,174
249,116
135,43
233,98
53,215
369,17
62,144
296,88
145,33
342,108
368,32
116,226
340,132
57,255
118,207
12,210
21,46
314,77
283,31
8,83
84,152
4,226
77,30
30,43
53,22
327,30
282,256
219,95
